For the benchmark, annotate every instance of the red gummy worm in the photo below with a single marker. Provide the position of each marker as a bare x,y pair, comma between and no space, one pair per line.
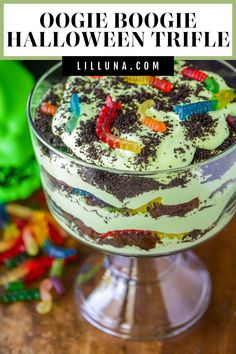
118,233
194,74
54,235
18,248
162,85
106,118
70,259
20,223
36,267
38,262
34,274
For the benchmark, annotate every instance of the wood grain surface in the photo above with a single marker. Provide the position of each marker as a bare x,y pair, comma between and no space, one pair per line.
63,331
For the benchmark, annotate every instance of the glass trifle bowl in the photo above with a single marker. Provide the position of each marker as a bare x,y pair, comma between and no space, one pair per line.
144,283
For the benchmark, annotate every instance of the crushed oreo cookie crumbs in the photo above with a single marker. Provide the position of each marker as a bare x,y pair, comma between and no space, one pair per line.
199,125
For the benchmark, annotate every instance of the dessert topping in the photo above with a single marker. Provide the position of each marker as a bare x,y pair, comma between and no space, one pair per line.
186,110
150,122
104,121
75,110
58,252
48,108
209,82
132,232
231,120
96,77
224,97
194,74
162,85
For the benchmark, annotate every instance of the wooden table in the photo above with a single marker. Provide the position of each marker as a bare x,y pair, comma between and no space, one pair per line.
63,331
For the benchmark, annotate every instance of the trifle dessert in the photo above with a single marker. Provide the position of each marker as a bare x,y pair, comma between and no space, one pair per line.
138,165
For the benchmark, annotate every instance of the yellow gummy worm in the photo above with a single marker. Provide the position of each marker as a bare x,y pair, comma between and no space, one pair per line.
224,97
13,275
143,209
19,210
11,232
31,246
143,107
6,245
170,236
138,80
45,305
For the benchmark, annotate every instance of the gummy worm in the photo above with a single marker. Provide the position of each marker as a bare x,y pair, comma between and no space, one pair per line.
143,208
6,245
39,226
162,85
13,275
36,268
75,111
14,286
45,305
118,233
224,97
48,108
11,232
19,210
17,248
58,286
231,120
15,261
57,268
186,110
31,245
149,122
209,82
58,252
104,121
192,73
96,77
20,295
57,235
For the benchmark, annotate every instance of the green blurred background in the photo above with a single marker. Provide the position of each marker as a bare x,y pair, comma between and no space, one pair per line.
19,175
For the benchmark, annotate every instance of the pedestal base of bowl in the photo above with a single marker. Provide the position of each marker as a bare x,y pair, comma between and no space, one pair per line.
143,298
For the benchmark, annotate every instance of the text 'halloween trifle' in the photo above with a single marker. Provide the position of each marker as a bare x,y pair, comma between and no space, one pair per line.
139,165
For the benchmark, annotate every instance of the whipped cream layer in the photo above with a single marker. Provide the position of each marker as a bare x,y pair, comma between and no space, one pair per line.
172,149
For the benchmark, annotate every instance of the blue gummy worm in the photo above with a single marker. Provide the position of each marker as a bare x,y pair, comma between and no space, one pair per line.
79,191
186,110
82,193
58,252
75,113
75,104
